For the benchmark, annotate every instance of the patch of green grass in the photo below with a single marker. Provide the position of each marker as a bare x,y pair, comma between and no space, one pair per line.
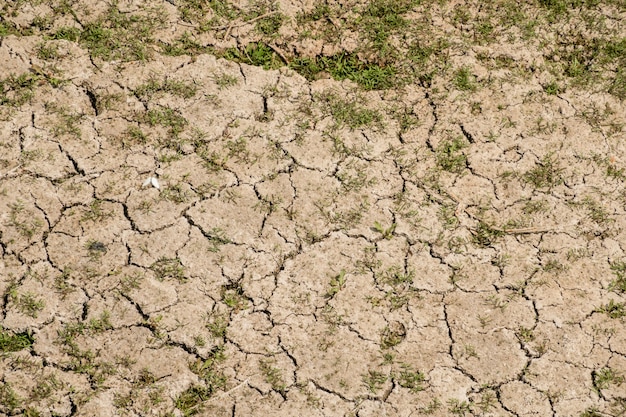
604,378
410,379
257,54
184,45
592,412
14,342
154,88
350,112
28,304
71,34
168,268
9,400
382,18
218,326
23,220
225,81
16,90
368,75
190,402
337,283
273,376
67,121
270,25
208,371
464,80
95,212
613,309
121,36
546,174
619,283
485,235
168,118
449,155
374,380
459,408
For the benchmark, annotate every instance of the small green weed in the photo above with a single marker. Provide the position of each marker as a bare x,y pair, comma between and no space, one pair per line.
337,283
168,268
350,113
273,376
9,398
449,157
23,220
14,342
613,309
374,380
17,90
410,379
154,88
464,80
547,173
606,377
256,53
95,212
387,233
190,401
485,235
619,283
168,118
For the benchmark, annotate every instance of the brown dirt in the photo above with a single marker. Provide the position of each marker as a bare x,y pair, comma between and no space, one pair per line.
291,265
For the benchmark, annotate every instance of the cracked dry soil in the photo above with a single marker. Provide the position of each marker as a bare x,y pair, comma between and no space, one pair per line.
294,261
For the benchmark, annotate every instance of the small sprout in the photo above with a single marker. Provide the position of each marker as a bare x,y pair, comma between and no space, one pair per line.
337,283
387,233
613,310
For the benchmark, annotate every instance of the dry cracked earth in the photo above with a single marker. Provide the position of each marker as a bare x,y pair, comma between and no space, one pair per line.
245,209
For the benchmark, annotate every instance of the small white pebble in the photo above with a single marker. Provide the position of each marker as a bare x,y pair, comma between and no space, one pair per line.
151,181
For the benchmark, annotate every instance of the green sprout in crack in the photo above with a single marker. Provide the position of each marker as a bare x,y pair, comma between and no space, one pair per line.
464,80
273,376
485,235
24,221
449,157
546,174
410,379
374,380
613,309
168,268
14,342
217,237
619,283
606,377
96,212
233,296
387,233
29,304
337,283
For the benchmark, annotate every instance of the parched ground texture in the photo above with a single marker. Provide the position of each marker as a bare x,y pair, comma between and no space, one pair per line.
340,208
